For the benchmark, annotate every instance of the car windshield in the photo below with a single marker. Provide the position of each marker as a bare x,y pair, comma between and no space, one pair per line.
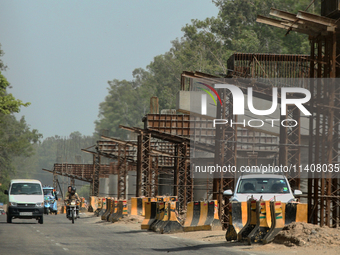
263,185
25,189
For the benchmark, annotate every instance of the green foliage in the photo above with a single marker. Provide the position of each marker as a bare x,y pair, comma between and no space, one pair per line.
16,144
8,104
84,191
16,138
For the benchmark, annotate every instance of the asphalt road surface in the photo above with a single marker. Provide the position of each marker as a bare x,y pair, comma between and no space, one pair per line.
90,235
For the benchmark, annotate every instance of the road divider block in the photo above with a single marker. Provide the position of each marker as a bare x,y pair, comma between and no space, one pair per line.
93,204
107,210
159,215
114,211
99,206
150,214
136,206
103,208
277,218
172,225
121,211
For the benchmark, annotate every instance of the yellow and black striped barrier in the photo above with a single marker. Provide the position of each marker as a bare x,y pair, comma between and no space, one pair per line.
121,211
264,222
159,215
111,208
193,216
163,209
114,210
93,204
107,210
278,222
172,225
295,212
136,206
201,215
103,209
99,206
238,215
145,200
260,221
150,214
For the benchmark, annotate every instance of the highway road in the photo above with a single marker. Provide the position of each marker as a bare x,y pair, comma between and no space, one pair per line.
90,235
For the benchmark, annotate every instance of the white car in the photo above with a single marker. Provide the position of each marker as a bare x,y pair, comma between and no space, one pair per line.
267,186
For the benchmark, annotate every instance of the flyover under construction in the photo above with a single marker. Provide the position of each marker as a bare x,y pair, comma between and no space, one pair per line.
166,144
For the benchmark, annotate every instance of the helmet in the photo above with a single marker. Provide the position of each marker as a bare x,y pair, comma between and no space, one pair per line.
73,190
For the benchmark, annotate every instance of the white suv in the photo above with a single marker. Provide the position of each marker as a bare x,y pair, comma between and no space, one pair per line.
266,186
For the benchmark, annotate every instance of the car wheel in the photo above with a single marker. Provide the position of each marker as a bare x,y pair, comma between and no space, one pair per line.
9,218
41,220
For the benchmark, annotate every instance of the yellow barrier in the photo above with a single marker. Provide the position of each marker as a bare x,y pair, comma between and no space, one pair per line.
121,211
134,206
263,224
191,219
238,215
159,215
259,221
277,218
103,209
107,211
197,216
93,204
159,227
172,225
150,214
99,206
114,210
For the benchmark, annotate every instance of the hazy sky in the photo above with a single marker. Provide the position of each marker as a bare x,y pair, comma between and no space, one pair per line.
60,54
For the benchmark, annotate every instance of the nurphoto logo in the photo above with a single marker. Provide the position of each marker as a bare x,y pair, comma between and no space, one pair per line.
238,104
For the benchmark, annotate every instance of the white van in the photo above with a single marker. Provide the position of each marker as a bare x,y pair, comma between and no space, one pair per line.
25,200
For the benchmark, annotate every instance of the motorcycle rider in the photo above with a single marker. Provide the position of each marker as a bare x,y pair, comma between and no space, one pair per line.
72,195
68,192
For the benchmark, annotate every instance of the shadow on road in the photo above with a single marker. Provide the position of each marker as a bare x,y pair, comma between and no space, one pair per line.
203,246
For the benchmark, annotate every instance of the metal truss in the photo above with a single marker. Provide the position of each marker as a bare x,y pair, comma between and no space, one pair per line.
122,171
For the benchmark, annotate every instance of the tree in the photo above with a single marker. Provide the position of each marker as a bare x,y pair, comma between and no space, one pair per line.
16,138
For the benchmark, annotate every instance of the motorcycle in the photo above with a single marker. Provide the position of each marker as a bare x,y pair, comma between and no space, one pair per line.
50,200
72,209
50,205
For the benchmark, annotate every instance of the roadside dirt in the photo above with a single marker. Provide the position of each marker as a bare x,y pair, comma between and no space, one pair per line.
296,238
